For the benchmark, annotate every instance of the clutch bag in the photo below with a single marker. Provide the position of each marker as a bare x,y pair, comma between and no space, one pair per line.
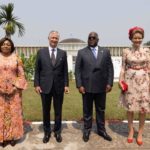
124,86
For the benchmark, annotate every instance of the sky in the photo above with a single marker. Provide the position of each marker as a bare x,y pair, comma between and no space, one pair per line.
111,19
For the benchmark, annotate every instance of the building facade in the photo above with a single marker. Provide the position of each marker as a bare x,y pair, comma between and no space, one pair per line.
72,45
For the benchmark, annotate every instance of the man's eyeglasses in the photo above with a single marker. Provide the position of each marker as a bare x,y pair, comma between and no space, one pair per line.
92,37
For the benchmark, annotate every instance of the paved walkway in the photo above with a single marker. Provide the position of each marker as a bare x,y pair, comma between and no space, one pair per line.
72,138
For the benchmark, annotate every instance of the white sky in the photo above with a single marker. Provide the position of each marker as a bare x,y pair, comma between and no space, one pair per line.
111,19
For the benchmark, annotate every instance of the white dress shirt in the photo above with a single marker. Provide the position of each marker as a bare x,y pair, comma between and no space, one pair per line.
50,51
95,49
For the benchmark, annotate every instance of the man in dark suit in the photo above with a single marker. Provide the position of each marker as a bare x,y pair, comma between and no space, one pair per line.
51,81
94,78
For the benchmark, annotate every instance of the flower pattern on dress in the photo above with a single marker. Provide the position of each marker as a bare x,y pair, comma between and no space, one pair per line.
135,71
11,119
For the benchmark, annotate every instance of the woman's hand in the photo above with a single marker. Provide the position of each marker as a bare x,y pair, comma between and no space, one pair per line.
2,90
12,91
123,86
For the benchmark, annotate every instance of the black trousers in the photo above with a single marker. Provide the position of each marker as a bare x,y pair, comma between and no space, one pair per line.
46,107
100,102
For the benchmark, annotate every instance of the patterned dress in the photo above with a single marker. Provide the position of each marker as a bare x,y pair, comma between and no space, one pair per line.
135,72
11,76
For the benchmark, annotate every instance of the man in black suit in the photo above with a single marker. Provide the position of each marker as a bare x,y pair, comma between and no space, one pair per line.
94,78
51,81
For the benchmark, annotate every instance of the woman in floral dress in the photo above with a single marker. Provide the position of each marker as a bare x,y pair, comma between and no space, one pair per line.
135,73
12,82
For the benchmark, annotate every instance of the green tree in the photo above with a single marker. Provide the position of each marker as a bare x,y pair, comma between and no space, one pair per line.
29,65
9,22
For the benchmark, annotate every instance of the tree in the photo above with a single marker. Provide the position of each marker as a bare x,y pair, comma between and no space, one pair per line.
9,22
147,43
29,65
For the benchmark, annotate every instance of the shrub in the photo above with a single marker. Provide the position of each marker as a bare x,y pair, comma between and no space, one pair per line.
29,65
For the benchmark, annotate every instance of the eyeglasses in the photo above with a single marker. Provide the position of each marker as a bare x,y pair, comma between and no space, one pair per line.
92,37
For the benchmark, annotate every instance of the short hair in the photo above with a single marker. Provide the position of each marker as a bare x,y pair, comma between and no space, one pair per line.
134,30
53,31
11,42
93,32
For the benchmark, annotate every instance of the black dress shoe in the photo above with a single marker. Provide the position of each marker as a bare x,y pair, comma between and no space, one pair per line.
105,135
46,137
58,137
86,136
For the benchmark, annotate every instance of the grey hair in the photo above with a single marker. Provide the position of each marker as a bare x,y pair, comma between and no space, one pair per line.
53,31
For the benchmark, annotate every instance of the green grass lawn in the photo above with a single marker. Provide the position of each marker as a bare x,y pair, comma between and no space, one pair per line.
72,106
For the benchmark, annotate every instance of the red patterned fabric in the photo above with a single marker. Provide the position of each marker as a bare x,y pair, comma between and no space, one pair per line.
11,76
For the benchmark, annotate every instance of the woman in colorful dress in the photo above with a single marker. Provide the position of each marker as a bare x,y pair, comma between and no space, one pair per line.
135,82
12,82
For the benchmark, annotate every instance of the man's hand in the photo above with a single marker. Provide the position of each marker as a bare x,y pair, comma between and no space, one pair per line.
108,88
66,90
38,89
81,90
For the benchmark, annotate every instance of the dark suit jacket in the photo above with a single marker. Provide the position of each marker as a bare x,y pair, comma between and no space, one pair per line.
93,74
46,74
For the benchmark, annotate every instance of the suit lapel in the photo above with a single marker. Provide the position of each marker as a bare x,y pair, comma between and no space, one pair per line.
58,57
91,56
100,55
47,56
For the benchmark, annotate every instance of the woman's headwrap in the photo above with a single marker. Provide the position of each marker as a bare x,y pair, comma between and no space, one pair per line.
134,30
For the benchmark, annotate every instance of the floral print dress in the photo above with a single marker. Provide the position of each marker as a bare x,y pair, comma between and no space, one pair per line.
12,82
135,72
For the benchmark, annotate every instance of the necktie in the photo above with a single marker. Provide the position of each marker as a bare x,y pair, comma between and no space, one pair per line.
53,57
94,52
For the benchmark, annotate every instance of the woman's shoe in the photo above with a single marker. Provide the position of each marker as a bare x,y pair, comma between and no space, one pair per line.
130,140
13,143
139,142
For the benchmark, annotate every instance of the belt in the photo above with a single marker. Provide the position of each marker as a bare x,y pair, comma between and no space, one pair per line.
134,68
